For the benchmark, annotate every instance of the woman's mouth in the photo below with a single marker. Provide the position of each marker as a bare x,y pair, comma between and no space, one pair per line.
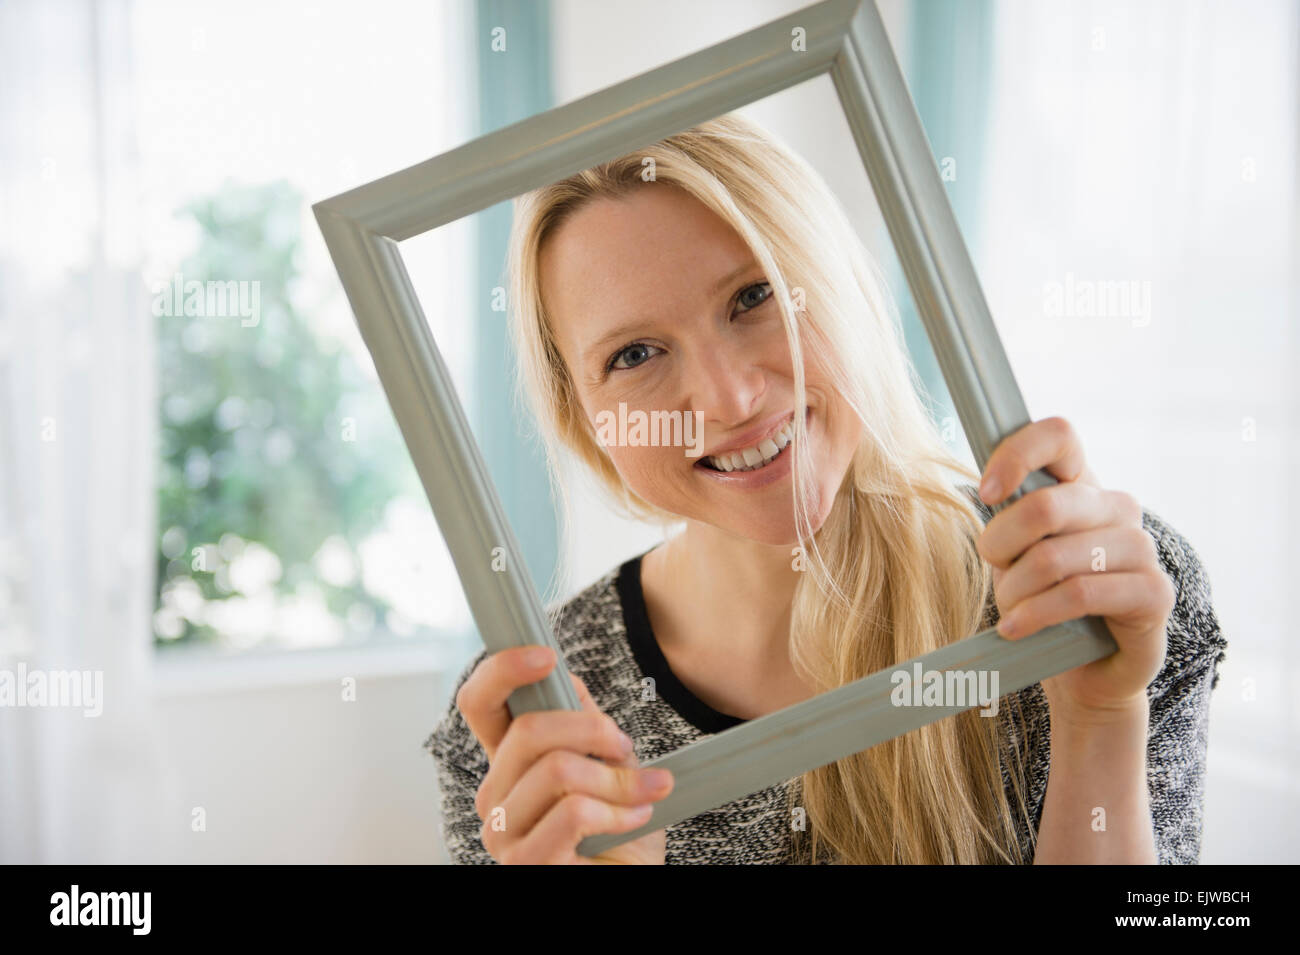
769,459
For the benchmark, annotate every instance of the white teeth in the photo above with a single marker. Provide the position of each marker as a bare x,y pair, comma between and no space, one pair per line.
750,458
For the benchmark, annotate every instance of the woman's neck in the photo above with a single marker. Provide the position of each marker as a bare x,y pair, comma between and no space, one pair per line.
722,598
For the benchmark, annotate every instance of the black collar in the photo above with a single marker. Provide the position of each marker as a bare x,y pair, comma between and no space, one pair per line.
650,659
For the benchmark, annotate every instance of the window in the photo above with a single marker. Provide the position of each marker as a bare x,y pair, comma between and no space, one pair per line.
290,515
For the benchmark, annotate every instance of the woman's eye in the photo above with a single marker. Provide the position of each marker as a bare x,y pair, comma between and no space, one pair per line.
754,303
745,299
633,348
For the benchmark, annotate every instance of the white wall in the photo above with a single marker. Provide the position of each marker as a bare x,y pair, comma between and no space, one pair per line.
286,770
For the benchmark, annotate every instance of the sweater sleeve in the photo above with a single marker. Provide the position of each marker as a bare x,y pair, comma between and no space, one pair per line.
461,766
1179,698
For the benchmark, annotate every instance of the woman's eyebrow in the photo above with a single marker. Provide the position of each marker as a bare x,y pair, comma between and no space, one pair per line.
596,348
627,328
732,276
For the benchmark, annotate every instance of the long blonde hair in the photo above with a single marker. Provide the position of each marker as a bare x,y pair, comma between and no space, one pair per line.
892,573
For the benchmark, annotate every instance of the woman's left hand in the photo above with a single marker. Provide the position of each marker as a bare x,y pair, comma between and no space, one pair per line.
1070,550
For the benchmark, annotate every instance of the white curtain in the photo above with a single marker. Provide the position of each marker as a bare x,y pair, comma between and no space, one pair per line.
77,413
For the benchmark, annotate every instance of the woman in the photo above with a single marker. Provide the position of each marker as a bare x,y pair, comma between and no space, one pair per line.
714,273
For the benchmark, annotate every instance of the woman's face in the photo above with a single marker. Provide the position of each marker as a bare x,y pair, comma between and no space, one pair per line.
658,305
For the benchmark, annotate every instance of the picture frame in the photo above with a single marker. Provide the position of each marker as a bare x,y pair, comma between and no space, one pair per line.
363,226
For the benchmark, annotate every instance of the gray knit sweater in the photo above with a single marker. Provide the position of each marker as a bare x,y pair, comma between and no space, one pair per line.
604,633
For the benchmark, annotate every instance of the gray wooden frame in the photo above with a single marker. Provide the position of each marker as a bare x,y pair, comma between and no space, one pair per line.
363,226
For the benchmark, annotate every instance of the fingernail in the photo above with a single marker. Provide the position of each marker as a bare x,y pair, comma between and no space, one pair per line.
538,656
625,743
990,489
1007,625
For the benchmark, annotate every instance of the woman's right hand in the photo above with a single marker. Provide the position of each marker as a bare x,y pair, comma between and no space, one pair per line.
543,793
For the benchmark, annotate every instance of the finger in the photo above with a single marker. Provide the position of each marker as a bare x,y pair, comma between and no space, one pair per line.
1050,444
560,773
1135,595
1109,549
533,734
482,697
555,839
589,705
1056,509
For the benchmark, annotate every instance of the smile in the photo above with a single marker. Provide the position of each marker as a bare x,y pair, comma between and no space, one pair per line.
755,466
753,458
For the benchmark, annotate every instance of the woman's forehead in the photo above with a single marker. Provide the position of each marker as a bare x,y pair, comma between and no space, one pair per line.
601,267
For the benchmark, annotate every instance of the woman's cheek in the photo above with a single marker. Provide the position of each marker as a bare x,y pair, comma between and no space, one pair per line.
655,473
633,465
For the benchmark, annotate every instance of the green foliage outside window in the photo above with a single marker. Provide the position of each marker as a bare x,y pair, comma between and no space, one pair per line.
277,455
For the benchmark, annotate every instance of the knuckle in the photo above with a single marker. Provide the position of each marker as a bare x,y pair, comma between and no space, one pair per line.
1146,546
1050,561
464,696
1059,427
986,546
1078,590
527,725
1046,511
563,772
628,783
1129,507
1170,591
578,812
999,598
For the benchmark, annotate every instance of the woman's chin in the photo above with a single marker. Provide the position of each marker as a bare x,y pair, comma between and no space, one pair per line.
775,534
777,530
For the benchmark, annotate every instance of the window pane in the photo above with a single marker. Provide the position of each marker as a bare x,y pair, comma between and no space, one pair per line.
289,512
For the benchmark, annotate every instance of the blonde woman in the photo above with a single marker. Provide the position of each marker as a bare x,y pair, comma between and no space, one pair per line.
825,539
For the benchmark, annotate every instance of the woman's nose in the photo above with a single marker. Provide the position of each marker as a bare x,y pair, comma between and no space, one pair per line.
725,383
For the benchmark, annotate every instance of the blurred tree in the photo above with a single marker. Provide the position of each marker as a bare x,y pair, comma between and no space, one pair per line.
269,434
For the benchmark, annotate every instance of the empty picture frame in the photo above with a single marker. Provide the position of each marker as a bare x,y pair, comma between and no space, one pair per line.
362,228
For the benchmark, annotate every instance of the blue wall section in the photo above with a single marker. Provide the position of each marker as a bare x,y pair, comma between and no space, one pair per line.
513,85
948,67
